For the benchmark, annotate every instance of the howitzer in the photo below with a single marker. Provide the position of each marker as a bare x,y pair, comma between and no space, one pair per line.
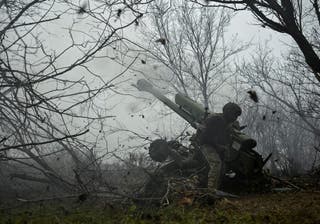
239,156
188,109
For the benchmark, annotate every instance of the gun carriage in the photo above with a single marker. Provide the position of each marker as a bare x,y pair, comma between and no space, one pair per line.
240,159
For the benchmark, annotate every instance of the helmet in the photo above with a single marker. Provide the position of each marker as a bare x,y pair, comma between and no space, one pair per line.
231,111
159,150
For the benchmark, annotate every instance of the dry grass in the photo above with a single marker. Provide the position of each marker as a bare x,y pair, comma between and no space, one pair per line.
300,207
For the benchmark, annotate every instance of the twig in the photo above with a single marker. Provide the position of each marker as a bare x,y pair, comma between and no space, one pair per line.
286,182
43,143
165,196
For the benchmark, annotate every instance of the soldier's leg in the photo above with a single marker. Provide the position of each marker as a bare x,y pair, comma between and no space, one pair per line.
215,164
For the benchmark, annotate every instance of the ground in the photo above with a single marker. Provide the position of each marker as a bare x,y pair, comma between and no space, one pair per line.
293,207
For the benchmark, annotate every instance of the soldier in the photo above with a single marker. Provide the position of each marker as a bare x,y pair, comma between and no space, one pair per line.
220,141
214,138
186,161
183,174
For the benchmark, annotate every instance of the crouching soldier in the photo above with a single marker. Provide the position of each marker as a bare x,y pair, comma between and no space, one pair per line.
184,171
214,138
233,164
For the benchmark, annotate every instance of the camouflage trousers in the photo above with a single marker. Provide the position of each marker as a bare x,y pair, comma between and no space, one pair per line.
215,163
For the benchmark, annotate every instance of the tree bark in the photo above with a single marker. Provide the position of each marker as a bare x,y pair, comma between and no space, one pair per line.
310,55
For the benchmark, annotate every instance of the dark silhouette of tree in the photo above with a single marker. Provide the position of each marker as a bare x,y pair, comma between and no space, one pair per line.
300,19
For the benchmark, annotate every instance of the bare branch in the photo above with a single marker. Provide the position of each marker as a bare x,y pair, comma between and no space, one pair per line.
285,18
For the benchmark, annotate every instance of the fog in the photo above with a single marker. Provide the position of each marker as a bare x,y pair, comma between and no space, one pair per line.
75,122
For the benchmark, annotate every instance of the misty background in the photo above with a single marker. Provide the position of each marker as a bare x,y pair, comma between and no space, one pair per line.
72,120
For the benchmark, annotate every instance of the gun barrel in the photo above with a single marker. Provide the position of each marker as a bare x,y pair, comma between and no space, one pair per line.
191,106
144,85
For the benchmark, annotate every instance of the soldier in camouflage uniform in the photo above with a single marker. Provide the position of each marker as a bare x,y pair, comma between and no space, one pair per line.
183,172
214,137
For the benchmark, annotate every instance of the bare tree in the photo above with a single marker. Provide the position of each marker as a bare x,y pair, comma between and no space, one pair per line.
287,117
281,133
188,49
288,83
294,83
48,95
300,19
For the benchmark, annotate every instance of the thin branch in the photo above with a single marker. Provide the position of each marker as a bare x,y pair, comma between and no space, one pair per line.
44,142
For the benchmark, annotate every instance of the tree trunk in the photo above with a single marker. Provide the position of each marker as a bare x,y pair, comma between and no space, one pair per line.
310,55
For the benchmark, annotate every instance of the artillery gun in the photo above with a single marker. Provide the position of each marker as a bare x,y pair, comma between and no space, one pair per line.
240,158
